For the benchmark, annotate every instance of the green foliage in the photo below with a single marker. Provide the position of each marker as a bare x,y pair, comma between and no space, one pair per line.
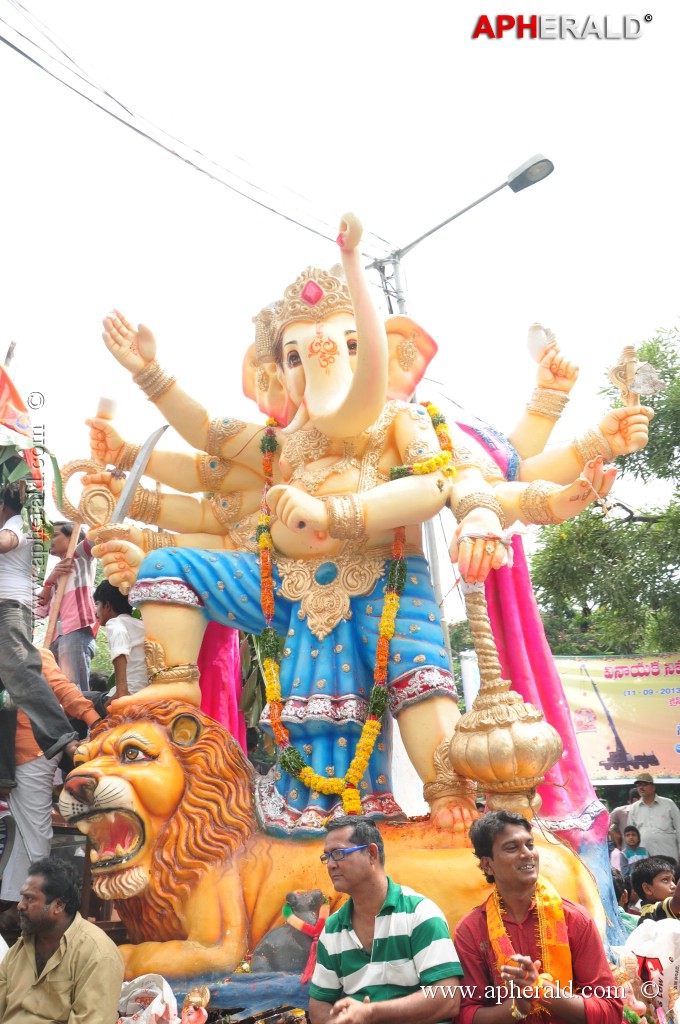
460,638
102,658
612,586
252,681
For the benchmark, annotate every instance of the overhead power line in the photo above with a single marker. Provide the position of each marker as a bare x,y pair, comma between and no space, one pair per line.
52,57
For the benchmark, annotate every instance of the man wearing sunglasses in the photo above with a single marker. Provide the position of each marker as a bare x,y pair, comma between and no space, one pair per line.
386,955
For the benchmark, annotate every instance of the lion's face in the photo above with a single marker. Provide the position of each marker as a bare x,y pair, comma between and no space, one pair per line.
126,785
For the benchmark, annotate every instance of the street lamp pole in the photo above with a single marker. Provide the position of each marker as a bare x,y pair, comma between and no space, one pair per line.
531,171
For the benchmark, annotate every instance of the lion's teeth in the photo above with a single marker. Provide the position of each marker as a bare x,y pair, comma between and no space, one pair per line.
85,827
94,856
120,852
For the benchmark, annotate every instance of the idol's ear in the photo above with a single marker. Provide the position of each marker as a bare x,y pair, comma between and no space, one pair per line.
263,383
411,350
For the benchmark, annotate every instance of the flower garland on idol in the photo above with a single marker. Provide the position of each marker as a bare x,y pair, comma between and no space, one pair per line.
290,759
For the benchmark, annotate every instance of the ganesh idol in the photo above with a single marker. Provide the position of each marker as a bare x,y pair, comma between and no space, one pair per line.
310,537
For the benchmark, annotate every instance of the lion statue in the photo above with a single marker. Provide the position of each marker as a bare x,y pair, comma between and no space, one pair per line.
164,795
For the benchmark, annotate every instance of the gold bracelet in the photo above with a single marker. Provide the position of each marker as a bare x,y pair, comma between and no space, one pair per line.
534,503
128,454
548,403
592,444
346,517
515,1011
152,540
146,505
154,381
478,499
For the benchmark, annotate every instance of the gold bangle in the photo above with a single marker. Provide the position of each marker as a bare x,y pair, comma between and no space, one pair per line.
534,503
146,505
152,540
478,499
128,454
592,444
154,381
346,517
515,1011
548,403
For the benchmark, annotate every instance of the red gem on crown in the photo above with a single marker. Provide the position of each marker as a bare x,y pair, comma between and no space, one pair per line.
311,293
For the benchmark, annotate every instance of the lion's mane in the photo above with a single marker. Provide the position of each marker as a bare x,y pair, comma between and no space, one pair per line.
212,821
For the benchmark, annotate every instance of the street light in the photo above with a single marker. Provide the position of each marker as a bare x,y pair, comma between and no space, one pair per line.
531,171
527,174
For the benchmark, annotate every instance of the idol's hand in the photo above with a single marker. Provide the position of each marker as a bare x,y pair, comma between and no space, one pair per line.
296,509
627,429
556,372
134,349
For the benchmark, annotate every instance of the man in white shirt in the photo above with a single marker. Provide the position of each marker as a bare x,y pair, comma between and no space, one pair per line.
126,638
657,819
20,663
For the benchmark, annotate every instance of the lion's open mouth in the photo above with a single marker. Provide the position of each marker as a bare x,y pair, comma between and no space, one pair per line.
116,836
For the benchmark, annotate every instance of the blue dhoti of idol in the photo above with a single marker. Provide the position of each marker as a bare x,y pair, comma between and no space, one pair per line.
330,632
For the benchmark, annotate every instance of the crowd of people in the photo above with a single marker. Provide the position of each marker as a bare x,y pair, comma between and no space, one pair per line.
644,839
54,697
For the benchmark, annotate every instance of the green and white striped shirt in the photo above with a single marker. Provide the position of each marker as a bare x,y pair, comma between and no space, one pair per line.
411,947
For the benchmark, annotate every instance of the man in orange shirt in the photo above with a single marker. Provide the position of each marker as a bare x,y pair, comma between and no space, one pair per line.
30,802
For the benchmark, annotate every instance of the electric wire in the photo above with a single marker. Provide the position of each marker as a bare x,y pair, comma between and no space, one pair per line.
263,197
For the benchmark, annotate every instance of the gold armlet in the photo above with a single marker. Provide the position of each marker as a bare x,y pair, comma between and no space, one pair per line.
478,499
592,444
154,381
534,503
446,782
219,430
128,454
346,517
211,471
548,403
146,505
154,539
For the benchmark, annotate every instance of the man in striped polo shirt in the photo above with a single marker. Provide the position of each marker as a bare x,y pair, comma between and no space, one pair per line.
383,945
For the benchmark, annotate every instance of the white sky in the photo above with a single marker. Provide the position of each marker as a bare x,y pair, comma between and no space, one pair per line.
390,109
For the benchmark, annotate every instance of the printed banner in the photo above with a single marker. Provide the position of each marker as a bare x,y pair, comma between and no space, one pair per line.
626,714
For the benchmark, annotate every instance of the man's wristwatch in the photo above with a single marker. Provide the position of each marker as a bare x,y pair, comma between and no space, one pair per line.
515,1011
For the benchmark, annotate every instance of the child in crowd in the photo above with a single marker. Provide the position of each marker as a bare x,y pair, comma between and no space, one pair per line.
653,879
629,921
632,850
126,638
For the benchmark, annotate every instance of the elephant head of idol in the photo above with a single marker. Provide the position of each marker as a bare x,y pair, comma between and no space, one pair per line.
324,358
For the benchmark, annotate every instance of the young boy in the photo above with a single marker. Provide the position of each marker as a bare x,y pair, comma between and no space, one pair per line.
629,921
632,850
653,880
126,638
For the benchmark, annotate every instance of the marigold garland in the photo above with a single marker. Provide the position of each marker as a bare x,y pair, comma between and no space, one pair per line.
290,759
439,462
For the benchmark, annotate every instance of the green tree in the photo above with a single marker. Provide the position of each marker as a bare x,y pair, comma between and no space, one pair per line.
612,586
